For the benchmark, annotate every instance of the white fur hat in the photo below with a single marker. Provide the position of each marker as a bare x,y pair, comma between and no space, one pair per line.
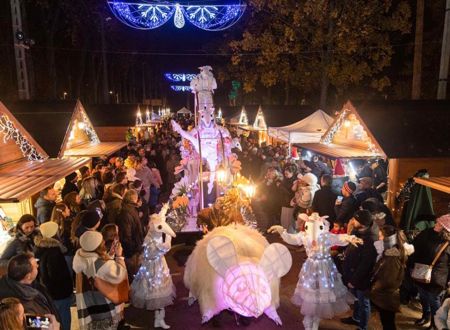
49,229
309,178
90,240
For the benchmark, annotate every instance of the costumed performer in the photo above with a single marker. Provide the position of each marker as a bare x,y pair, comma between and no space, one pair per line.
152,288
320,292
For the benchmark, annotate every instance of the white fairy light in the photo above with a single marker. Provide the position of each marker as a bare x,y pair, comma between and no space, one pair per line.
10,132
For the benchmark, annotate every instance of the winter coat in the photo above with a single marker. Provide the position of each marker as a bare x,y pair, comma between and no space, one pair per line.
53,271
344,211
359,261
66,236
303,195
379,176
69,187
20,244
323,203
34,298
91,304
387,277
362,195
442,316
44,209
113,207
426,246
130,230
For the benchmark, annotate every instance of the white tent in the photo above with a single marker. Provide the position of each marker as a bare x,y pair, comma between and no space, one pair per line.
308,130
184,111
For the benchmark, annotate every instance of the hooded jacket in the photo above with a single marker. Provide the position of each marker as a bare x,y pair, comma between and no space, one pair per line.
34,298
53,271
388,276
113,207
44,209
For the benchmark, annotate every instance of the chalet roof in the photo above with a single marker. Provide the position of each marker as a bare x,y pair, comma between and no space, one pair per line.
114,114
47,122
274,115
408,129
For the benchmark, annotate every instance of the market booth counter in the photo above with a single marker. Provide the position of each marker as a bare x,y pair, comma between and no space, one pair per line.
25,167
410,134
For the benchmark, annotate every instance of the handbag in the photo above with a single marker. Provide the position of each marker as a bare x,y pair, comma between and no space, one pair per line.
116,293
421,272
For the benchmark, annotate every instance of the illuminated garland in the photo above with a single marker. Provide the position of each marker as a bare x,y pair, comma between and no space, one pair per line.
328,137
177,77
146,16
260,122
243,120
10,132
180,88
89,129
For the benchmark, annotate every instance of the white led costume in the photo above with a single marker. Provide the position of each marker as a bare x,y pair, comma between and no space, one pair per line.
320,293
152,287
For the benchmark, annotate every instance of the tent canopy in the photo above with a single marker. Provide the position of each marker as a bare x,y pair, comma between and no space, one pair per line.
308,130
184,110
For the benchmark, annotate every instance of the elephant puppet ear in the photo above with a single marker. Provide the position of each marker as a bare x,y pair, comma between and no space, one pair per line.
276,261
221,254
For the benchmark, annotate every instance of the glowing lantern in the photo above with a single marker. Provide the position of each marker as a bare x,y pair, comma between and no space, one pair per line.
250,190
221,175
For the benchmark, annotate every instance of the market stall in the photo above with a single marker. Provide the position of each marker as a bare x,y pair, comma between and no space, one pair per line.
63,129
25,167
259,125
410,134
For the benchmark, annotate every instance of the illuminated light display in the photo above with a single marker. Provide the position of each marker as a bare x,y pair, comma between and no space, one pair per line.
152,15
180,88
179,77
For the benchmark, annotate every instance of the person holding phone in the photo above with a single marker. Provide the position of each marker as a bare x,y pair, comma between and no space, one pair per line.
345,205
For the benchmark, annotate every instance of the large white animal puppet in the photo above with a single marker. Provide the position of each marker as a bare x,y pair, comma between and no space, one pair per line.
234,267
320,292
152,287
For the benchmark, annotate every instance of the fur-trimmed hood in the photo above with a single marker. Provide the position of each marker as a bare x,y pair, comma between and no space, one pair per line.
45,242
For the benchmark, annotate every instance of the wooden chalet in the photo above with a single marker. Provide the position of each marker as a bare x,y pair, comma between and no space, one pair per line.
63,129
410,134
25,167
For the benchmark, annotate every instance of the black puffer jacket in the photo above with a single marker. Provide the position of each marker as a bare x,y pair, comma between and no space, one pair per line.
344,211
360,260
44,209
426,246
53,271
323,203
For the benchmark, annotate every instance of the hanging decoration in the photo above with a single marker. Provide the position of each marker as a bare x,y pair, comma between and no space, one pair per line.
179,77
180,88
11,132
328,137
151,15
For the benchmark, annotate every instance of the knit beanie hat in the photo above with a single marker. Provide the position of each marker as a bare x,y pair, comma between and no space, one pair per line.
49,229
349,187
89,219
444,221
90,240
363,217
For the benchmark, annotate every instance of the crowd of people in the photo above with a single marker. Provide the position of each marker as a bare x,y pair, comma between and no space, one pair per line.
96,224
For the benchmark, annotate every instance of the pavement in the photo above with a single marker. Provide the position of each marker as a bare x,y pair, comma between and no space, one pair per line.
180,316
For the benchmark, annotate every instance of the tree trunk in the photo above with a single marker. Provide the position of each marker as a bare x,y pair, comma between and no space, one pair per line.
81,69
445,56
417,66
105,85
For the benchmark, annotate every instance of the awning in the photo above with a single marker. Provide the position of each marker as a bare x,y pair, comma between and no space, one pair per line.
438,183
338,151
23,179
94,150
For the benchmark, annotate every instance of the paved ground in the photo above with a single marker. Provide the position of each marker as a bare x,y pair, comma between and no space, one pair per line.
183,317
